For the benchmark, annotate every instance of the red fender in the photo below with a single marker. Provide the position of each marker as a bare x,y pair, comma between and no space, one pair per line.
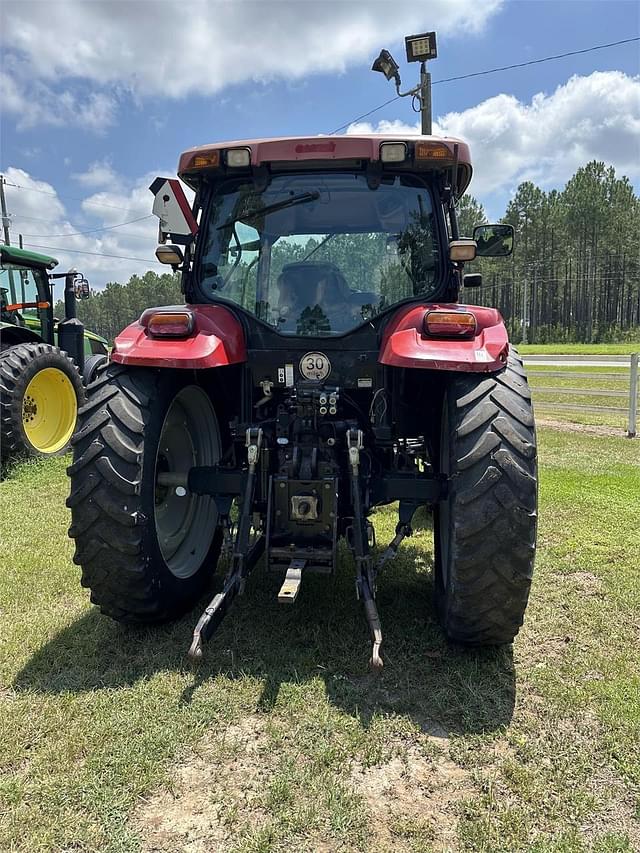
404,343
216,341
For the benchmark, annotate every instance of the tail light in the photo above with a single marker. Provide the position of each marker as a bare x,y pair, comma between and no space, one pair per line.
450,324
168,324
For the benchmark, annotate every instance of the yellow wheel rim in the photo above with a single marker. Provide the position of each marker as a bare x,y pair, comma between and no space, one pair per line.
49,410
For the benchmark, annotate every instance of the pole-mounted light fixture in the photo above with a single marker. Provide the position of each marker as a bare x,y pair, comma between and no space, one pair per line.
421,48
386,64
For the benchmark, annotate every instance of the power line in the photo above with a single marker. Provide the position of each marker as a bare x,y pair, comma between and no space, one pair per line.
70,197
91,230
495,71
64,250
36,219
364,115
537,61
129,234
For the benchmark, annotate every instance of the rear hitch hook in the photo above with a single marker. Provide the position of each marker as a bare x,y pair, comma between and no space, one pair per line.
373,618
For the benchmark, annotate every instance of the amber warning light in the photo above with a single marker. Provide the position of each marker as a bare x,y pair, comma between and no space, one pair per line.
450,324
204,160
167,324
432,151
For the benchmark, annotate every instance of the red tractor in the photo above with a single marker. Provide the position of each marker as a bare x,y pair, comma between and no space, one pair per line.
322,366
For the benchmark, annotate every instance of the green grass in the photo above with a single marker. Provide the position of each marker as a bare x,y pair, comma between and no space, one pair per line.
579,349
282,741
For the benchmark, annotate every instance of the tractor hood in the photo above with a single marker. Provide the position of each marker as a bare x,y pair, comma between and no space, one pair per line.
23,257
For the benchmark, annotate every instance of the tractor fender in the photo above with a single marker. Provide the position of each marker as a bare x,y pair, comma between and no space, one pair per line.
11,335
217,340
404,343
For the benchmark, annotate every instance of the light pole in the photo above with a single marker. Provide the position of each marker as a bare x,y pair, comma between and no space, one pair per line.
420,48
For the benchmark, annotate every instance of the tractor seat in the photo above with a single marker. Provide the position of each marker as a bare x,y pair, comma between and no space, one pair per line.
306,285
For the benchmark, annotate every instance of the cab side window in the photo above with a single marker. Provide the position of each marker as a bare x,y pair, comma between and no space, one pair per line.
19,296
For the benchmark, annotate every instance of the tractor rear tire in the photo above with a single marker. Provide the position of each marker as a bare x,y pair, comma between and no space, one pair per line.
92,367
146,551
40,393
485,530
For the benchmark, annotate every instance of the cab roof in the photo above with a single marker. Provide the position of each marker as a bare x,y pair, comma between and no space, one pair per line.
297,149
14,255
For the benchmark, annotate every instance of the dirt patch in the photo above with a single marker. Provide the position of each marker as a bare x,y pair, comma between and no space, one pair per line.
586,583
211,792
592,429
413,797
617,808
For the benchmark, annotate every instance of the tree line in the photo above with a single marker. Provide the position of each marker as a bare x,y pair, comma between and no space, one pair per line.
574,274
108,311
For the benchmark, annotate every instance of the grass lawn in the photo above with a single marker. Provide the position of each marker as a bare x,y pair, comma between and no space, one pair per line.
283,742
579,349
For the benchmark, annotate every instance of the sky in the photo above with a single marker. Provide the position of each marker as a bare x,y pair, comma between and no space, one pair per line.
97,98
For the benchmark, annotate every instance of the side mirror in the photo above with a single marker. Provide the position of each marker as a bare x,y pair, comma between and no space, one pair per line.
462,250
170,254
494,241
81,288
472,279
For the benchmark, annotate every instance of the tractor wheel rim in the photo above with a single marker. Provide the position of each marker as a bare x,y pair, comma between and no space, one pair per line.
186,523
49,410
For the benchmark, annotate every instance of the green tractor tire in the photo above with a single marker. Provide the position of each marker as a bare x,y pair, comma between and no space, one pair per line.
40,393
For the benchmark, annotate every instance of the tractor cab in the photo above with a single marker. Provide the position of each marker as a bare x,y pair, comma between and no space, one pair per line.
316,237
27,284
25,293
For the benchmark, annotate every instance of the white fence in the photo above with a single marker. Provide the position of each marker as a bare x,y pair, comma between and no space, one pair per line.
624,384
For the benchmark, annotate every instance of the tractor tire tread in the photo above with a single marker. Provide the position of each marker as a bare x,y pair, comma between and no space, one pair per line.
109,524
105,533
494,514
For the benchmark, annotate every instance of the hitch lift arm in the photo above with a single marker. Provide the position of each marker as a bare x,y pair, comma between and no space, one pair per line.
365,570
245,556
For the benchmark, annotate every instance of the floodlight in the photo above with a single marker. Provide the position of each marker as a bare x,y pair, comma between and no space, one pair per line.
393,152
386,64
170,254
421,47
239,157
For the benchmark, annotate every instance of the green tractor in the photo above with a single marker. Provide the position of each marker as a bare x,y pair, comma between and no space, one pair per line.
44,362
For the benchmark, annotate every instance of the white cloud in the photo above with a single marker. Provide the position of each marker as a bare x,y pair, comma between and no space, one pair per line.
37,103
29,199
587,118
98,174
37,212
167,48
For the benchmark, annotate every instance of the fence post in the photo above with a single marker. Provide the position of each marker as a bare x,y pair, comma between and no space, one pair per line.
633,395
